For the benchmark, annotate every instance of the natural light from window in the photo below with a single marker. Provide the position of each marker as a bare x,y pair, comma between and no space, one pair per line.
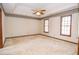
46,26
66,25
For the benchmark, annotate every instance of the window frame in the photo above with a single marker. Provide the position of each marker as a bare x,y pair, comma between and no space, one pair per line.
70,26
44,25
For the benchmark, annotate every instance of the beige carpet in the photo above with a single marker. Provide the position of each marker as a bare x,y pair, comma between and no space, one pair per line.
38,45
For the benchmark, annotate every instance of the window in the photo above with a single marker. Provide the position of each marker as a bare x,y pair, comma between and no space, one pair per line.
65,26
46,25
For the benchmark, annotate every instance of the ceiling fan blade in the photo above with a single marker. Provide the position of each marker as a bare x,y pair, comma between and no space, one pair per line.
34,12
43,10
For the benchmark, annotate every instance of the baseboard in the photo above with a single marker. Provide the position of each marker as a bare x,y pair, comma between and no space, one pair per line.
39,34
21,36
58,39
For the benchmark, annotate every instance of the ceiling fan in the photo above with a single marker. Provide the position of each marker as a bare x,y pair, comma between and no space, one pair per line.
39,11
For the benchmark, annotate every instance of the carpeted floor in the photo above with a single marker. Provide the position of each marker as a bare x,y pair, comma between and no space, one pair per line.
38,45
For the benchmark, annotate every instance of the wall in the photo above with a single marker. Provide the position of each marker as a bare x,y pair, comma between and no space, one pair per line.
15,26
54,28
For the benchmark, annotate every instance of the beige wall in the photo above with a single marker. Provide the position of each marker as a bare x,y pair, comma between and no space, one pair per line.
54,28
15,26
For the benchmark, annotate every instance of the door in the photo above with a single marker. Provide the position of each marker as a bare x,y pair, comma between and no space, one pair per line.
1,41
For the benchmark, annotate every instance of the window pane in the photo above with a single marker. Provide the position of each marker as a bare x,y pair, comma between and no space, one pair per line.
46,26
46,29
66,22
46,21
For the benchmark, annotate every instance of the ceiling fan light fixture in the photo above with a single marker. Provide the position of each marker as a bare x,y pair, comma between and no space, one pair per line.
38,13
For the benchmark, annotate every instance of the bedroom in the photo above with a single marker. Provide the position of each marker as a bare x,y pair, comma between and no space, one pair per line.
39,28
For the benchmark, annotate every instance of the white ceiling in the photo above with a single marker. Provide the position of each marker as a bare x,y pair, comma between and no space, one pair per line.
26,8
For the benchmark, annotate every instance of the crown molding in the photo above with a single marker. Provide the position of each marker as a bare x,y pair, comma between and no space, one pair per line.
67,12
18,15
21,16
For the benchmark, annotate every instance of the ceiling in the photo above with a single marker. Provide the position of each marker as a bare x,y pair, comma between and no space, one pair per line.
26,8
